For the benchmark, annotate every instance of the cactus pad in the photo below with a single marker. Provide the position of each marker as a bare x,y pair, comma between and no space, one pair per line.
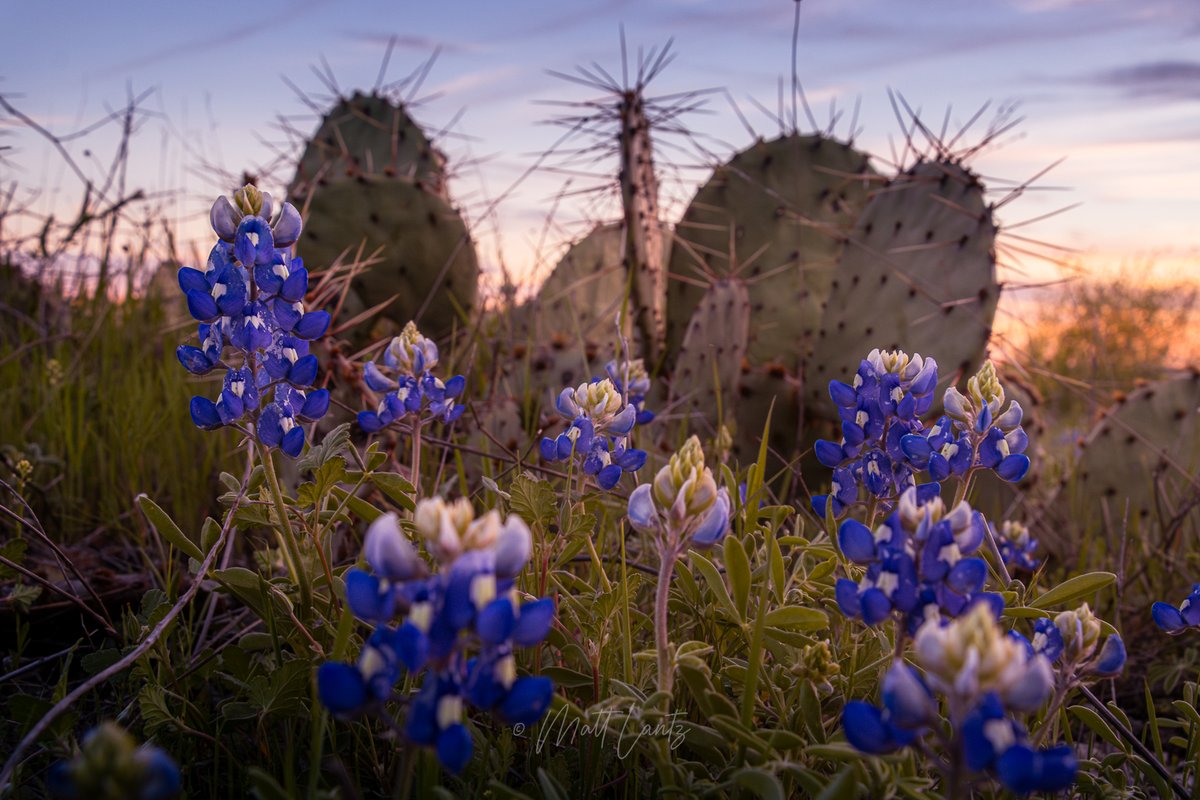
1146,445
583,294
426,250
368,135
709,367
917,274
782,207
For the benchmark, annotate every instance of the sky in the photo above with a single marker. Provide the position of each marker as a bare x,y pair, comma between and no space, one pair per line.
1110,87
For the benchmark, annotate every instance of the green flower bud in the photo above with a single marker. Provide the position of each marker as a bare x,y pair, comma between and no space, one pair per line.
411,347
685,488
985,389
600,400
248,200
1080,630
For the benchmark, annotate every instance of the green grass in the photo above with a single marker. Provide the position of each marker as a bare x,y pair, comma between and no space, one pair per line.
100,410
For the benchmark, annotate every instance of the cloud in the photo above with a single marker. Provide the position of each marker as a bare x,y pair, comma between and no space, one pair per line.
267,25
411,42
1170,80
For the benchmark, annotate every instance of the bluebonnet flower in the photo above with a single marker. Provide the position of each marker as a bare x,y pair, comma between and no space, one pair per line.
408,385
1047,639
908,708
885,401
459,626
985,678
632,380
1082,652
683,505
249,300
111,766
919,562
973,434
598,432
1017,546
1176,620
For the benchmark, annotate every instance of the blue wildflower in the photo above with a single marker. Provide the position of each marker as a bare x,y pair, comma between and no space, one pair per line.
632,380
111,766
229,297
986,677
991,439
1017,546
600,420
919,562
683,505
469,605
1175,620
408,386
878,410
1082,649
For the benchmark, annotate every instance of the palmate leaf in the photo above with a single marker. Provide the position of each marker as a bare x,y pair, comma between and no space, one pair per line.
534,500
334,444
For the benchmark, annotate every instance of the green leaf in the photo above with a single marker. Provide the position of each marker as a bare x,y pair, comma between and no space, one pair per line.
1186,709
209,533
502,792
14,551
263,786
799,618
397,489
534,500
1097,725
737,568
760,782
1074,589
334,444
156,713
244,585
360,507
738,733
715,583
551,788
1021,612
776,567
842,787
167,528
568,678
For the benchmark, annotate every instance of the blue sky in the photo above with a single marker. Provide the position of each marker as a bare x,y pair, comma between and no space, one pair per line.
1112,85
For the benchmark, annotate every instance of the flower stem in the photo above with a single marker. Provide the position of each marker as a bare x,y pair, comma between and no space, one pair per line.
415,464
291,546
662,644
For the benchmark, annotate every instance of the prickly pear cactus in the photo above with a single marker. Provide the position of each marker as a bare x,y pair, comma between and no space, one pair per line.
708,370
368,135
581,298
427,258
918,274
775,215
775,389
1146,450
